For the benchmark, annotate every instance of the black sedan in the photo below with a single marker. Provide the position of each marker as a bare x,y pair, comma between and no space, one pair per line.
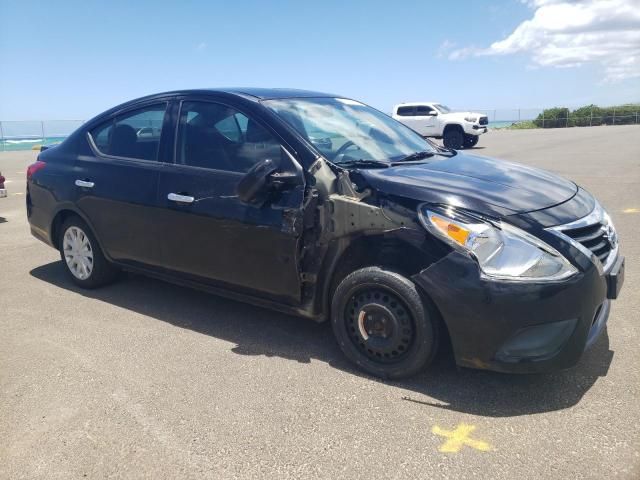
320,206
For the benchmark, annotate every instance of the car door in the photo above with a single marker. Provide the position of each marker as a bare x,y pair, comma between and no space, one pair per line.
208,233
406,115
117,182
426,118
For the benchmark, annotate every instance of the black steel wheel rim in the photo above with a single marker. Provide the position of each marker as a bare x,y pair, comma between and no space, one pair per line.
380,325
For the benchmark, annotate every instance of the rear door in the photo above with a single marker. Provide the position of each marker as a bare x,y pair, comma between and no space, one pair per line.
406,114
208,234
117,182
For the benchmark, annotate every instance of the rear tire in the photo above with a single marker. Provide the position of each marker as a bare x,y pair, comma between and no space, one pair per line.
82,256
453,138
382,324
471,141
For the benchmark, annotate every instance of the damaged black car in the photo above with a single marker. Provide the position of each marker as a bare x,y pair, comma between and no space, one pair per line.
320,206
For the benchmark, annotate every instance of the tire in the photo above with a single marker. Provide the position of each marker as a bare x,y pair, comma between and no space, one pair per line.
471,141
82,256
453,138
382,324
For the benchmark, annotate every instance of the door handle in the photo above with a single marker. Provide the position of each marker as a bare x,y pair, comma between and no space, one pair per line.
174,197
84,184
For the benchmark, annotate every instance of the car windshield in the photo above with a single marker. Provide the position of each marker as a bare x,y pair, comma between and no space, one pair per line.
442,108
348,132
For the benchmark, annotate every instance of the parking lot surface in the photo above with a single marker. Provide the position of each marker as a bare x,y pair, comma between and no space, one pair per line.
144,379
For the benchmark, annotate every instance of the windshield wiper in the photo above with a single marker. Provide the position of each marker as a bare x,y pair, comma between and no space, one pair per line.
416,156
364,163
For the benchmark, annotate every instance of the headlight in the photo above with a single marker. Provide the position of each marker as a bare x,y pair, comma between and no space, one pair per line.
501,250
471,119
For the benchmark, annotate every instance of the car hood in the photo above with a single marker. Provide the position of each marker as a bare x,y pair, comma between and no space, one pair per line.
462,115
481,184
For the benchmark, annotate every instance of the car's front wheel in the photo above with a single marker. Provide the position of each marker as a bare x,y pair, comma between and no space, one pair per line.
471,141
82,257
453,137
383,324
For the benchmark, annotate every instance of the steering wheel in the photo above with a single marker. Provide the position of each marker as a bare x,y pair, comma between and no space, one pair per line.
343,148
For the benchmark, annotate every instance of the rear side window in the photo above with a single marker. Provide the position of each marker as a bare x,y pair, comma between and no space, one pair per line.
405,111
422,110
215,136
135,134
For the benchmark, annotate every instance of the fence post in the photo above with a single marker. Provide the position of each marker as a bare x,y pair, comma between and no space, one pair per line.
614,117
42,128
2,135
591,117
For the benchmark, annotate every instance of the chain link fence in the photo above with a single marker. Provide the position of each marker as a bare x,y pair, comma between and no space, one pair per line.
562,117
27,135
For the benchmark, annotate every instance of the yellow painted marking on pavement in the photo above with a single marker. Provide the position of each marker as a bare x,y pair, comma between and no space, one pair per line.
17,193
631,210
20,173
458,438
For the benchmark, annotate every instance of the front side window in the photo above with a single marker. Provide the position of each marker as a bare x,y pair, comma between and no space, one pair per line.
423,110
349,130
218,137
135,134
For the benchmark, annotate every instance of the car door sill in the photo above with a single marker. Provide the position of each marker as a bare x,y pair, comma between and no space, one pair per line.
300,310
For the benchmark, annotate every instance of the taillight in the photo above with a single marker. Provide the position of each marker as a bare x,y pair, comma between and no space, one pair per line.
35,167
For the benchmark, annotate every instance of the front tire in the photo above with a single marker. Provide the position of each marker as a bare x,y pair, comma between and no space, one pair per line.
382,324
453,138
471,141
82,257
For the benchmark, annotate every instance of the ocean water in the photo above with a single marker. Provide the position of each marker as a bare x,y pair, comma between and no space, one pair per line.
27,143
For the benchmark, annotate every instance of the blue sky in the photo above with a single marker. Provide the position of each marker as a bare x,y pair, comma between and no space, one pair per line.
72,60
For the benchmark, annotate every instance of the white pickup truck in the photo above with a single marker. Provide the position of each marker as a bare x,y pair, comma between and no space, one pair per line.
430,119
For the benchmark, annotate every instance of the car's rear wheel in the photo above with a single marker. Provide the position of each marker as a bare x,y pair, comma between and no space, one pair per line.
82,257
383,324
453,137
471,141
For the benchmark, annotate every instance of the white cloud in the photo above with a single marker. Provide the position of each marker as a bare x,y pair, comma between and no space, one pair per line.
567,34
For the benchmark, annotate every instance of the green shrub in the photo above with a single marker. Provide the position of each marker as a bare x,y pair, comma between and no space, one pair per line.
588,115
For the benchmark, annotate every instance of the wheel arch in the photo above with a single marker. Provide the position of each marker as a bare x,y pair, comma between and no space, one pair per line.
62,213
452,126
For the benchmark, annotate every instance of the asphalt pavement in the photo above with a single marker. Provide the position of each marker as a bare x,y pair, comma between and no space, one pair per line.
143,379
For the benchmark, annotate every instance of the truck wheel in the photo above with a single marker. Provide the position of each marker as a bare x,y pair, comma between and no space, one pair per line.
382,323
453,138
471,140
82,257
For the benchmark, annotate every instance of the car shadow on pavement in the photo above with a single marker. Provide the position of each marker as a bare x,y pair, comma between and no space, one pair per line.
3,220
257,331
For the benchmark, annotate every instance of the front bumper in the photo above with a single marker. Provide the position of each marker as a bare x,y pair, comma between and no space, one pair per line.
516,327
475,129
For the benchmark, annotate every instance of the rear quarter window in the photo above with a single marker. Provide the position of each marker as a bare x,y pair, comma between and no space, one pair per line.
406,111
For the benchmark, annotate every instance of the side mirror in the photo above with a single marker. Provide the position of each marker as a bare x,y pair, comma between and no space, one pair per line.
432,113
262,179
252,187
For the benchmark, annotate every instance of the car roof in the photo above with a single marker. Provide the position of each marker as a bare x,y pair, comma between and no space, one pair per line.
248,92
415,104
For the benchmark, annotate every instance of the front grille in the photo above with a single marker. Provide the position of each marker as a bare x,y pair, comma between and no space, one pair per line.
484,121
594,237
